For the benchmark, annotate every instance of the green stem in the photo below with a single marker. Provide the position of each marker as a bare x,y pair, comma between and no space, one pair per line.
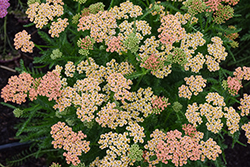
79,8
211,25
143,4
111,4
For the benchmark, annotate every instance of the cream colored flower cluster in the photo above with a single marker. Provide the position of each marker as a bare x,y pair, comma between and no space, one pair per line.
101,25
213,111
127,9
118,146
195,85
246,128
136,131
58,27
40,14
217,53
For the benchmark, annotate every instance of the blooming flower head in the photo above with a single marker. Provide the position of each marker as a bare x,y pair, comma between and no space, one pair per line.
223,13
101,25
22,40
17,88
127,9
58,27
246,128
40,14
70,141
170,30
4,4
244,105
159,103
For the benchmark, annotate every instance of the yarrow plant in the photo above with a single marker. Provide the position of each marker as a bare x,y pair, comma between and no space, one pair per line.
130,83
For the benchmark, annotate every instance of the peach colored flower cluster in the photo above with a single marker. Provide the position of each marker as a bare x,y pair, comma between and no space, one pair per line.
120,86
101,25
246,128
58,27
170,30
22,40
19,87
40,14
153,62
244,105
136,131
189,130
233,85
151,146
50,86
127,9
70,141
195,85
159,104
178,149
242,74
118,146
233,119
114,45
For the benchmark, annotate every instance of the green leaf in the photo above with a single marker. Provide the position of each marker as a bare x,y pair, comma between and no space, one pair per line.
33,111
29,25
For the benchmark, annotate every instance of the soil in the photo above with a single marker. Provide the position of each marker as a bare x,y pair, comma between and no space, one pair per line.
237,156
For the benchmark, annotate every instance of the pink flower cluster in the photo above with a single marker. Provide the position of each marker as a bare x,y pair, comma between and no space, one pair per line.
159,103
22,40
4,4
235,83
70,141
114,44
153,62
20,86
170,30
178,149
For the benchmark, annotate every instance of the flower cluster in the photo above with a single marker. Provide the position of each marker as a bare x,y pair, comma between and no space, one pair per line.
22,40
40,14
20,87
170,30
135,153
246,128
136,131
114,44
58,27
118,146
244,105
119,85
157,9
70,141
85,44
195,6
195,85
233,119
56,54
210,149
178,149
101,25
159,103
126,8
4,4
